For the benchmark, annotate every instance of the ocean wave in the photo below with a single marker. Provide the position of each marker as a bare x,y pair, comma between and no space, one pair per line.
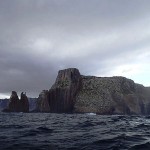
73,131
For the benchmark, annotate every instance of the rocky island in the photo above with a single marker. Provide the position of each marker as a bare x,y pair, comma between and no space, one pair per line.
75,93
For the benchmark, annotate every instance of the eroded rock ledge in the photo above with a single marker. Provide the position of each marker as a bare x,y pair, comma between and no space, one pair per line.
73,92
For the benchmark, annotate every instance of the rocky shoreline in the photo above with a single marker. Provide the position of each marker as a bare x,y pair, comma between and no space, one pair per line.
75,93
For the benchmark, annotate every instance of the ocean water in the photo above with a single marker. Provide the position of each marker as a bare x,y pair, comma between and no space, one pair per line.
46,131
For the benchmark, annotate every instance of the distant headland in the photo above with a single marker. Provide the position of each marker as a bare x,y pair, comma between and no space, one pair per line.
75,93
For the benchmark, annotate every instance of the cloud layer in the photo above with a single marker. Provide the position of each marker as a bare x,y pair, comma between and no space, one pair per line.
103,38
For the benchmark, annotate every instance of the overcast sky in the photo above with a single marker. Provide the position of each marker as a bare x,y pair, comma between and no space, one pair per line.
99,37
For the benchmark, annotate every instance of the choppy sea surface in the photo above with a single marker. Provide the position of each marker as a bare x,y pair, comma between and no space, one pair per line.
46,131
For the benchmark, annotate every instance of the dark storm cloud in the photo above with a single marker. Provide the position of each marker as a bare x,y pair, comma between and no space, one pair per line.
100,37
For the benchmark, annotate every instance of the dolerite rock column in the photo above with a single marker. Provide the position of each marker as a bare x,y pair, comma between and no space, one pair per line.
13,105
62,95
16,105
24,103
43,102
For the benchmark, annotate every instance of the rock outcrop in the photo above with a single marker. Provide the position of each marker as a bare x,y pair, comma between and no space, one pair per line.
73,92
111,95
13,105
32,104
43,102
61,97
16,105
23,103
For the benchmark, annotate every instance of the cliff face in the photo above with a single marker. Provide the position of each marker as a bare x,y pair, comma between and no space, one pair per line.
16,105
43,102
111,95
61,97
72,92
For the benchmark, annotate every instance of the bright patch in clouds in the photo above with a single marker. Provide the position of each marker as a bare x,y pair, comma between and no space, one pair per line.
127,70
41,45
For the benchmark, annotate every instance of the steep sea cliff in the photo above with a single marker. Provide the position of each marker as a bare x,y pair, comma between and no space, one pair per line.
73,92
76,93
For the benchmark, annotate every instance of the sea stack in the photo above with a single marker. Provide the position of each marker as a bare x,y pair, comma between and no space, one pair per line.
13,105
17,105
23,103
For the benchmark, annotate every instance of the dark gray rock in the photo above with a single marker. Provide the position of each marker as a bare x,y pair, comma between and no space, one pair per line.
23,103
13,105
16,105
32,104
62,96
43,102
